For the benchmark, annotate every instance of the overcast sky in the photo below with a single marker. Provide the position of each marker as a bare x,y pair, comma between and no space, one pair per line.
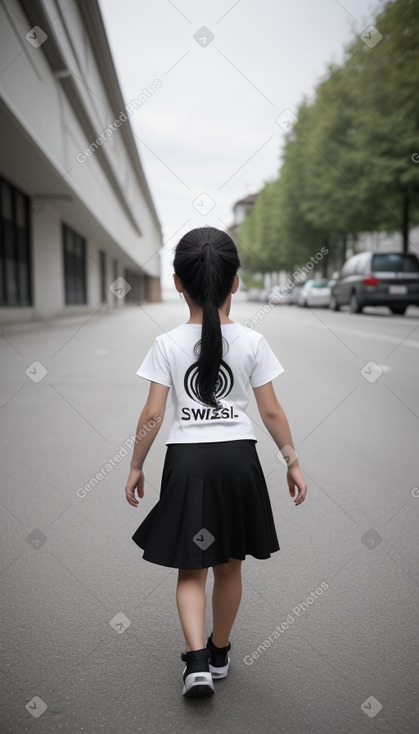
209,136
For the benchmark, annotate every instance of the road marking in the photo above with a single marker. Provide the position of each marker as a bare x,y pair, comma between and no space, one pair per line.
381,337
398,340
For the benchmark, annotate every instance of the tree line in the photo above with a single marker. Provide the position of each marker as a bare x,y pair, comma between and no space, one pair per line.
350,163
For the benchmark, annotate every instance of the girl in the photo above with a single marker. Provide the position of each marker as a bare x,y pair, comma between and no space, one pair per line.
214,507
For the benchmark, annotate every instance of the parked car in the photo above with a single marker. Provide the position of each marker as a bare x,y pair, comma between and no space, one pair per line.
377,279
264,294
314,293
253,294
296,294
280,295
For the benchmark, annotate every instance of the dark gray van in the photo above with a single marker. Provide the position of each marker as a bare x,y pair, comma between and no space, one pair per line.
377,279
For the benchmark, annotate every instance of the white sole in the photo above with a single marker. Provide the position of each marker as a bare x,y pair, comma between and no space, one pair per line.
220,672
198,684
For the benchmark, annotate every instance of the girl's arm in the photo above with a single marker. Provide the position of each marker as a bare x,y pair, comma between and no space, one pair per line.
276,422
148,427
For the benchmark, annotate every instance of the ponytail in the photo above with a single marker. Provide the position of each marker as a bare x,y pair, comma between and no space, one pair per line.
211,343
206,262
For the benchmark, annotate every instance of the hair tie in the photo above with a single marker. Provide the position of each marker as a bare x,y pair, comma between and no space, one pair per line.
206,244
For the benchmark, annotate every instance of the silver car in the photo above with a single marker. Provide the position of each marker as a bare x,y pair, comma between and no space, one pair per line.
314,293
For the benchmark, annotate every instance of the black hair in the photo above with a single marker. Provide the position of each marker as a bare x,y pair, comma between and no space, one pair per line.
206,261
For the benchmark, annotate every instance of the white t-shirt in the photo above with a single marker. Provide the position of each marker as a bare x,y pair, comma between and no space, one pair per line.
248,362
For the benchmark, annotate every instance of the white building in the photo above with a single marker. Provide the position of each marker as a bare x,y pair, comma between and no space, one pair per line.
242,208
75,209
383,242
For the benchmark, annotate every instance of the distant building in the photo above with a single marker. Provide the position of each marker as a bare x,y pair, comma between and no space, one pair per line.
240,211
383,242
242,208
78,227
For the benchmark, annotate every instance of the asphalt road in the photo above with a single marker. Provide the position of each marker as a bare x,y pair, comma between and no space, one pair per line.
326,637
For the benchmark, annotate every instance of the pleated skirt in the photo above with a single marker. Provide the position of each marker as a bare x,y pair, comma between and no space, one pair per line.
214,505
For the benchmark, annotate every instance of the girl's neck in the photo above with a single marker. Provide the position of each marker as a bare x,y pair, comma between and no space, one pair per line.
196,313
198,320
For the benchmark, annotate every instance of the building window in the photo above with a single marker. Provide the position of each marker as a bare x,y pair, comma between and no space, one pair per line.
137,282
74,266
15,260
102,268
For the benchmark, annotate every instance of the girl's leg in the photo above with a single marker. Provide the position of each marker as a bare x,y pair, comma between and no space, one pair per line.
226,599
190,600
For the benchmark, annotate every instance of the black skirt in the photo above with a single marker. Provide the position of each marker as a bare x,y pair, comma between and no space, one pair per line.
214,505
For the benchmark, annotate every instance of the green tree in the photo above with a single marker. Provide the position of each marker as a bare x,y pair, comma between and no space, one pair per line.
300,236
349,163
332,201
257,241
388,117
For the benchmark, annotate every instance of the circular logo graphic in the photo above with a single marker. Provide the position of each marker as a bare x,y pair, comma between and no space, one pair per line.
223,386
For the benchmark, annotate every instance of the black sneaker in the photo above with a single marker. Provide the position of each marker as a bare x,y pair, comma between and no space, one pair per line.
197,678
219,661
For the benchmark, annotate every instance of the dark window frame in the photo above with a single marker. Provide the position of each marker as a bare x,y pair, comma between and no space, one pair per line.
102,275
137,281
15,292
115,275
75,267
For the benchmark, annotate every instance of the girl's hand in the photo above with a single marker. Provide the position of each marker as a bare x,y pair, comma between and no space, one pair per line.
295,481
135,482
